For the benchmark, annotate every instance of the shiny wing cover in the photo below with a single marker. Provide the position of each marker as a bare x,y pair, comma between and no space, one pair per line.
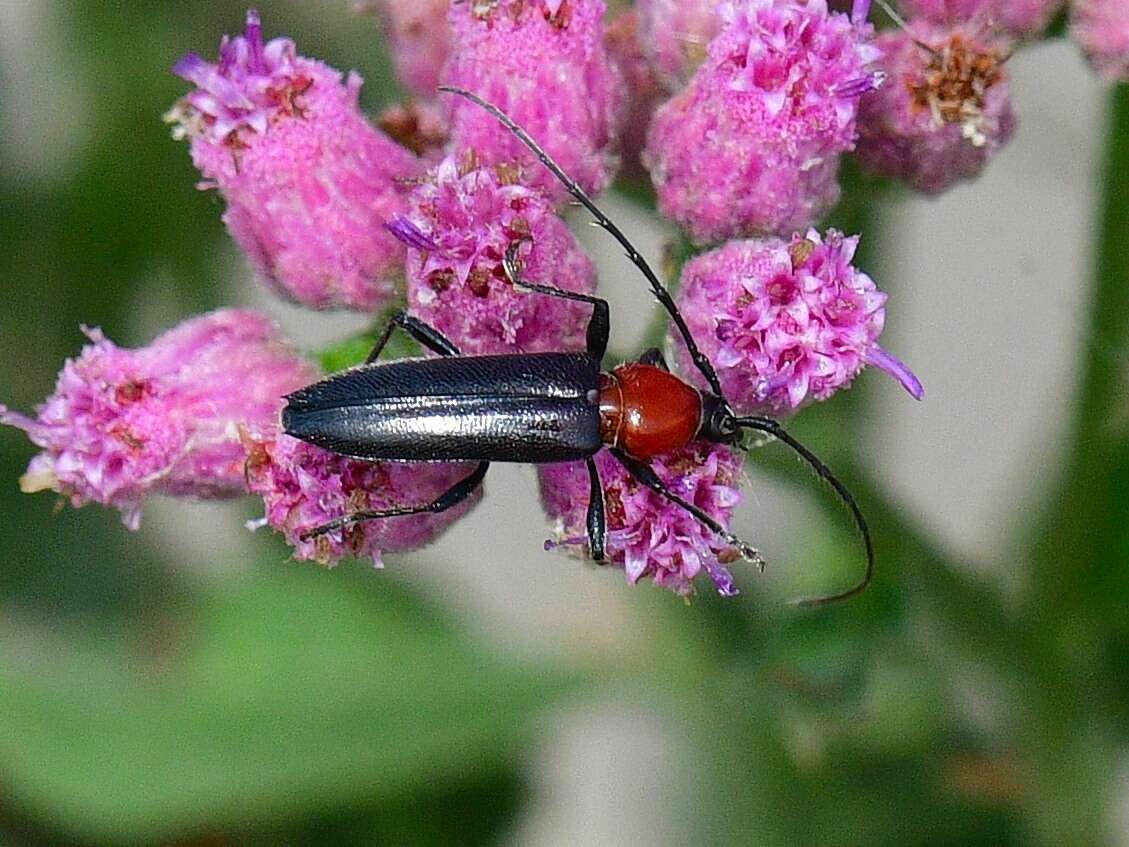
539,407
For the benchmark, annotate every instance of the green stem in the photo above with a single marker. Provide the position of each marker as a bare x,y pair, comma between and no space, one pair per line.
1081,566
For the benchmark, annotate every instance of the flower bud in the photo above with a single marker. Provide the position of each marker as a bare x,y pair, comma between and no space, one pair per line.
419,39
648,535
643,90
463,219
308,182
675,34
784,322
544,63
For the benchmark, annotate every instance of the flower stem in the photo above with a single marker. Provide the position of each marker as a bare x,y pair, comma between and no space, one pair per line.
1081,551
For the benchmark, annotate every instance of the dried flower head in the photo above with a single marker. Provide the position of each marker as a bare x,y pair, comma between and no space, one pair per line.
752,144
544,63
308,182
647,534
1101,28
785,322
123,424
304,487
945,108
463,219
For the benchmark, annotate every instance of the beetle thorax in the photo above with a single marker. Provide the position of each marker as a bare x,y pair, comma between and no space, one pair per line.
645,410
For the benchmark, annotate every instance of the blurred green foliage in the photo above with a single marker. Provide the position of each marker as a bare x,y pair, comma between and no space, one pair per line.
284,704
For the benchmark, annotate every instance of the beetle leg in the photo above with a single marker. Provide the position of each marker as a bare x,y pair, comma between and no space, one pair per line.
646,475
654,356
597,521
426,335
598,326
454,495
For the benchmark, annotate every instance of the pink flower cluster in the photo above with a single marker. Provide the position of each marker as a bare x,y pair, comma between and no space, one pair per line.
545,64
1101,28
761,100
752,143
304,487
1016,18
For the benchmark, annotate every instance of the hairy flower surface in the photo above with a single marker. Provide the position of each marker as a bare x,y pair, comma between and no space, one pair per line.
304,487
160,419
944,110
752,144
545,64
1020,18
308,182
1101,28
419,38
785,322
675,34
647,534
463,219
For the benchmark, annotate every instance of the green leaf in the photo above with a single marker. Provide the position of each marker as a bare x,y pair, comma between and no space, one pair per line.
280,694
1082,550
354,350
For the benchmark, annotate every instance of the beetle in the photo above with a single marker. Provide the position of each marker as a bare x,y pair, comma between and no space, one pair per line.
537,407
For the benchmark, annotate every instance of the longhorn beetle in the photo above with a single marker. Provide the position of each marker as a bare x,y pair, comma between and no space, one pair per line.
539,407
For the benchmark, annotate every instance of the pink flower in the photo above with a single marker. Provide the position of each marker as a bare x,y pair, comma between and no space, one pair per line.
752,144
308,182
160,419
675,34
785,322
304,487
944,110
1101,28
544,63
1019,18
419,38
643,90
463,219
647,534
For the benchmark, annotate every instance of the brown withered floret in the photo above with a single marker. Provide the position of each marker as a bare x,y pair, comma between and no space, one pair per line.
955,81
404,125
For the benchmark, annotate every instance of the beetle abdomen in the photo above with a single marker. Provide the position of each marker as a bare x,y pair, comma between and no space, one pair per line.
536,408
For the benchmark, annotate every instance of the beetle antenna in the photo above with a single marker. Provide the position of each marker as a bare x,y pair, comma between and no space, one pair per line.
768,425
661,294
